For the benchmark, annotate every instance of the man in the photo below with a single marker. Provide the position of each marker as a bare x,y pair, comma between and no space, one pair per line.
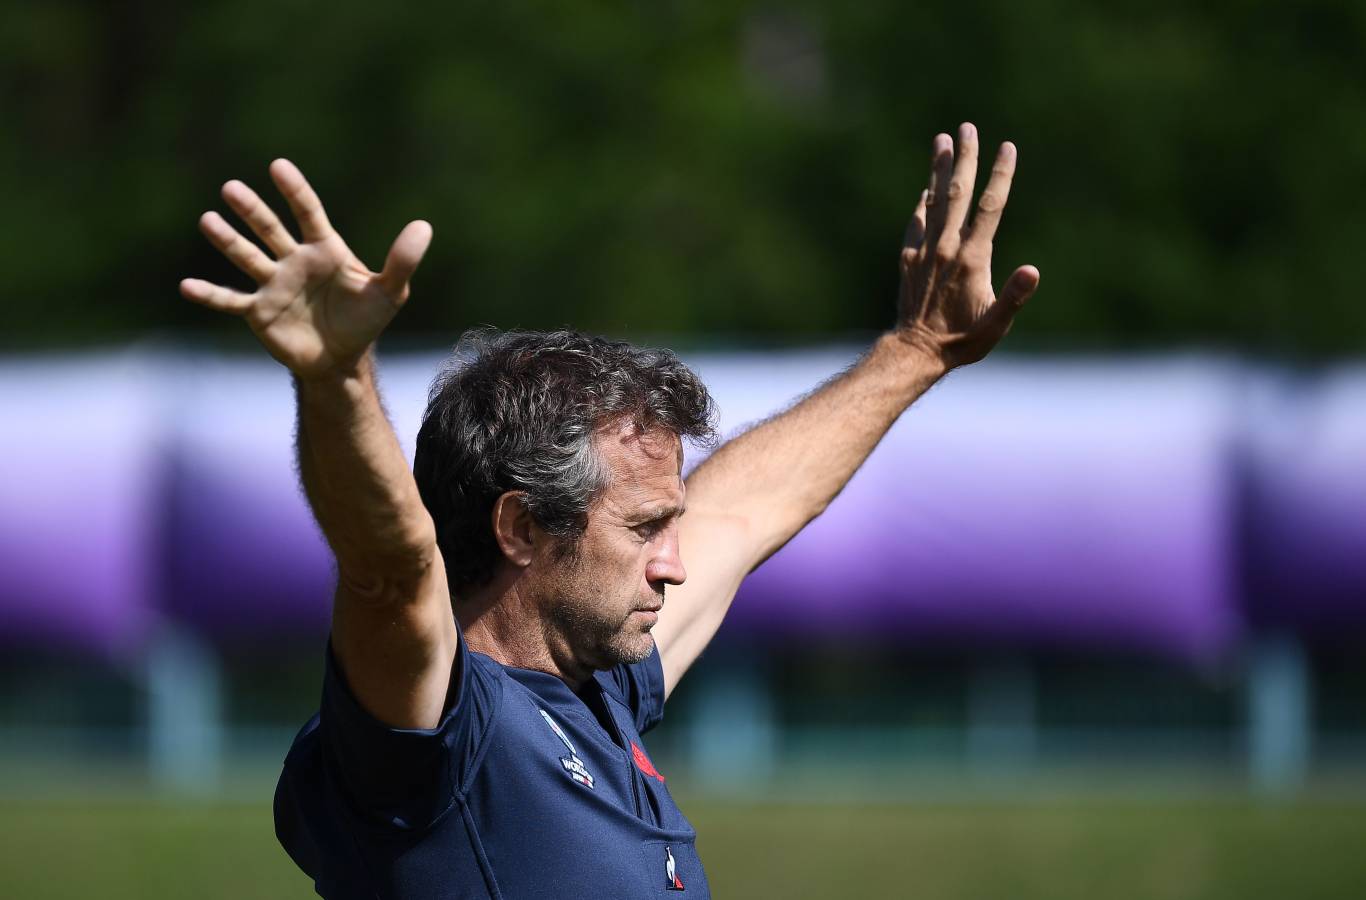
497,751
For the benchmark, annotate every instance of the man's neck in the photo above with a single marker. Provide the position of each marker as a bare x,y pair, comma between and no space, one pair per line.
501,623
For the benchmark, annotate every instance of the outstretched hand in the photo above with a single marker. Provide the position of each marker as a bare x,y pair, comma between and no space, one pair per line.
317,308
947,306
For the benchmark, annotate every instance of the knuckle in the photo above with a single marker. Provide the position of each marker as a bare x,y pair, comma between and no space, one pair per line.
975,255
991,202
946,251
955,189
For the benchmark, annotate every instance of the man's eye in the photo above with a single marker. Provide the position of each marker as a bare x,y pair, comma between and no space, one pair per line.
647,530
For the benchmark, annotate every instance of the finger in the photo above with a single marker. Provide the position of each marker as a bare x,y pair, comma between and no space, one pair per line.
241,252
993,201
963,179
215,296
408,249
260,218
1019,287
915,229
303,201
936,201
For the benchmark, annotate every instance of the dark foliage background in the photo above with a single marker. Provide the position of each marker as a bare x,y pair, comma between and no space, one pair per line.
736,170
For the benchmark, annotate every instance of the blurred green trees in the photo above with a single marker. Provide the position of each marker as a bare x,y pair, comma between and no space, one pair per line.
1188,173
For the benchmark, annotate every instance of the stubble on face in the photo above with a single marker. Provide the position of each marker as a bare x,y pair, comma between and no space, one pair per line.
594,624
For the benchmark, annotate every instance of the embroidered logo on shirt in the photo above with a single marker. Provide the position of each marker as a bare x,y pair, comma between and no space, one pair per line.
672,881
572,764
643,762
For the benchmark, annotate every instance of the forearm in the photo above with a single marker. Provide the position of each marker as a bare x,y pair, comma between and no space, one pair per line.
359,484
780,475
760,489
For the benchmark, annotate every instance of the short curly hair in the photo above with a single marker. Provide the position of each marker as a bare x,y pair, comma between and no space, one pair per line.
518,411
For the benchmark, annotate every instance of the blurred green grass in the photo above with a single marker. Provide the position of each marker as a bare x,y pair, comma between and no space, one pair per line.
1171,848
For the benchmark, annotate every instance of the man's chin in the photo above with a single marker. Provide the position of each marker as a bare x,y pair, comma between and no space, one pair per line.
631,647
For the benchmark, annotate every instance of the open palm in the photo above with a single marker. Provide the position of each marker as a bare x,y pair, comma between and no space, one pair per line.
317,308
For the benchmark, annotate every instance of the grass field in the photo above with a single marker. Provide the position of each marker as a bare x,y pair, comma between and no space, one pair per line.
1058,848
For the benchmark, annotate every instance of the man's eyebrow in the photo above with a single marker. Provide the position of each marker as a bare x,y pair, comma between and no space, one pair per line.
654,513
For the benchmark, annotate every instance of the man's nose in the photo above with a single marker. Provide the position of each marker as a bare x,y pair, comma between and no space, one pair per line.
667,564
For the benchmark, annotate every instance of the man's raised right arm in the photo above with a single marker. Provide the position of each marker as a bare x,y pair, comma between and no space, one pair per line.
318,311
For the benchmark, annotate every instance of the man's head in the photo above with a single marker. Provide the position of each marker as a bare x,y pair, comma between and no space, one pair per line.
559,454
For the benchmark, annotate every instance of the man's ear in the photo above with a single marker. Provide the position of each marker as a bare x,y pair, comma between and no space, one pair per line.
513,528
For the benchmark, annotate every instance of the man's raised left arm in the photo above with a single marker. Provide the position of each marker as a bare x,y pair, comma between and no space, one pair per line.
758,490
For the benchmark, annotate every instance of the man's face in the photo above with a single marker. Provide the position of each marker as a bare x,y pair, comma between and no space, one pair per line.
605,598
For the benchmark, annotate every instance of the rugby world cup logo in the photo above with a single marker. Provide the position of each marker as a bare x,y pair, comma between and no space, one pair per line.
572,764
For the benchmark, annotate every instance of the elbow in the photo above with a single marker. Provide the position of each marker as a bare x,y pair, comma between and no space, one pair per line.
769,532
391,572
394,586
814,507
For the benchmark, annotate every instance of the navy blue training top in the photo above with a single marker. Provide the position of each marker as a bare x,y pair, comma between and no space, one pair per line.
524,789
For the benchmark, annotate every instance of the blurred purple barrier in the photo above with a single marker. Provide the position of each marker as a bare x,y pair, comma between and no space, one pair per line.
78,503
1076,504
246,560
1081,504
1087,504
1305,535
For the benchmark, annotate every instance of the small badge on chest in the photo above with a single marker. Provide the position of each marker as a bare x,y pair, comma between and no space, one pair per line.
672,881
572,764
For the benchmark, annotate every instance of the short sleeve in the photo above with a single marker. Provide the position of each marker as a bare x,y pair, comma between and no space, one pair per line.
640,686
406,777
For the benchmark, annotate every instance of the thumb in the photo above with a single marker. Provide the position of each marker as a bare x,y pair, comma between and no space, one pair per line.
408,249
1019,287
